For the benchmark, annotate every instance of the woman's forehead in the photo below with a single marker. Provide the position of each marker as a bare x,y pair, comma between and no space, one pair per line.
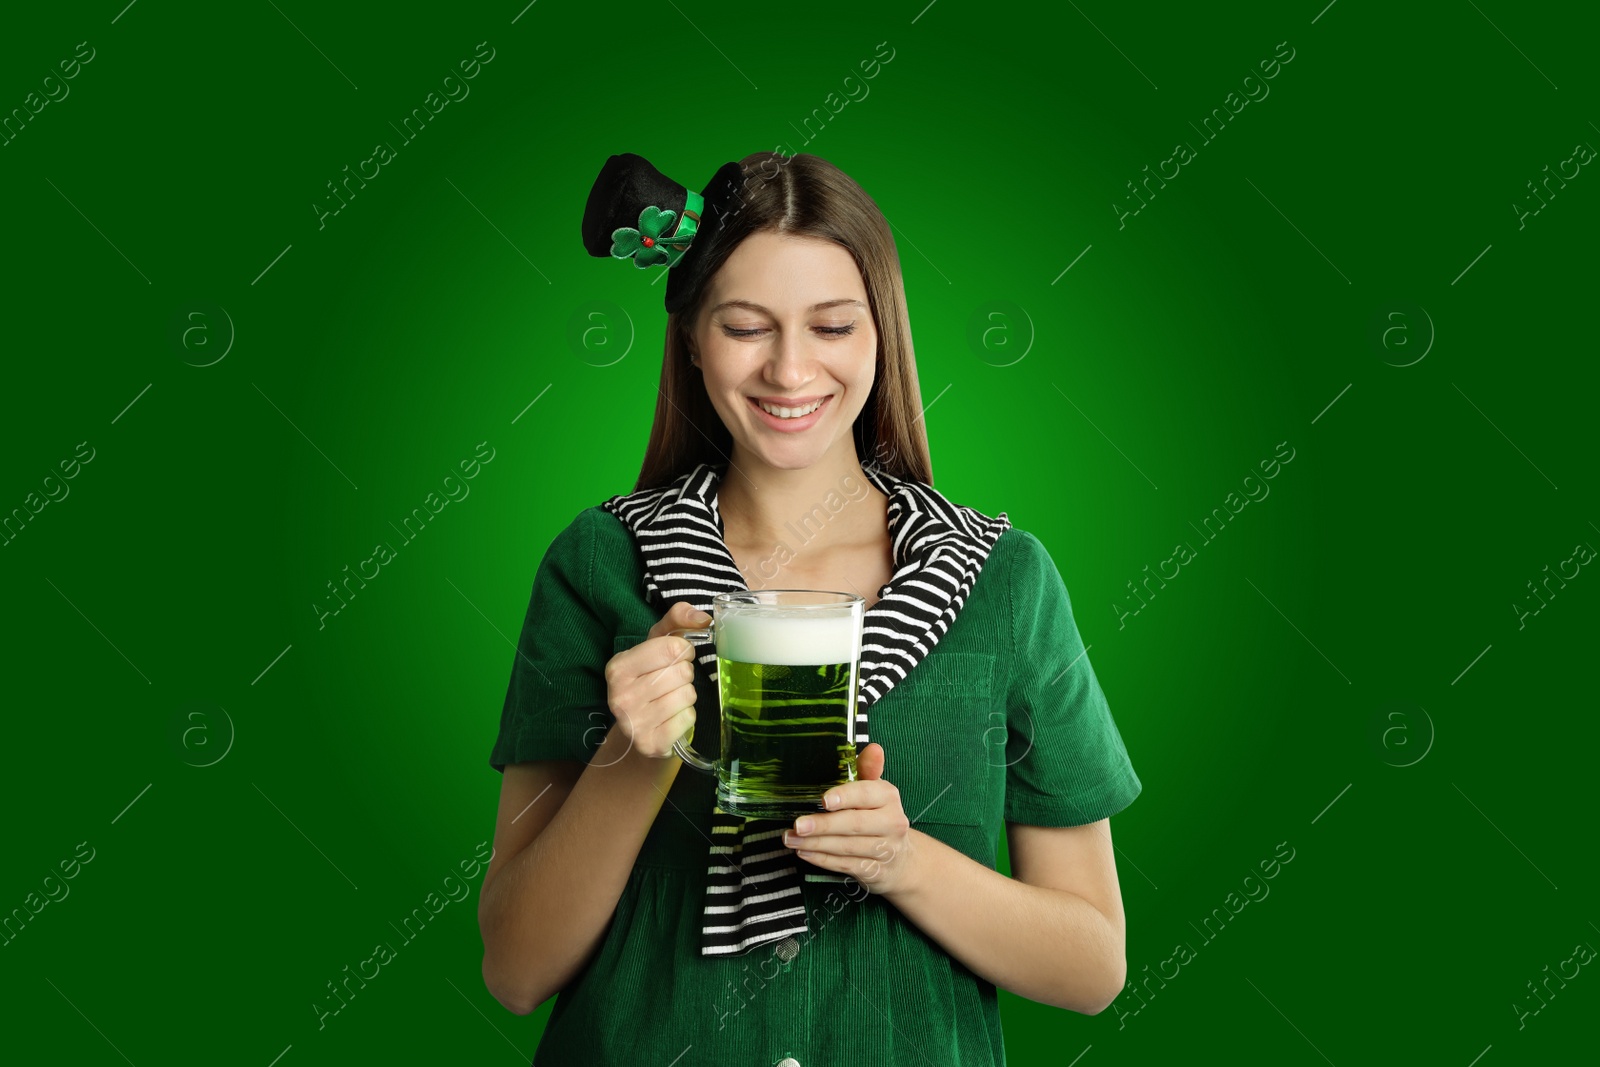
787,273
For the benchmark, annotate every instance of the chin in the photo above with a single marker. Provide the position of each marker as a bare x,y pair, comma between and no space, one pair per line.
787,459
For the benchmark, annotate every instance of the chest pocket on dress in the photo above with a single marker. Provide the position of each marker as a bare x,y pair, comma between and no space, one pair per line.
938,731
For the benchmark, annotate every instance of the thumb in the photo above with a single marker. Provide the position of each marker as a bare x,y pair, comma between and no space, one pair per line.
869,764
680,615
694,614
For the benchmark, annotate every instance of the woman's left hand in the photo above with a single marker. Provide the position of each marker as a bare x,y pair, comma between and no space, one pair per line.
865,832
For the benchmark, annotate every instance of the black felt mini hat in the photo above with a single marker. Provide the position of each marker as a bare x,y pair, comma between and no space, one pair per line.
636,212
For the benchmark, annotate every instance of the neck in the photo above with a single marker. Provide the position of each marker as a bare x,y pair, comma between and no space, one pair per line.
766,505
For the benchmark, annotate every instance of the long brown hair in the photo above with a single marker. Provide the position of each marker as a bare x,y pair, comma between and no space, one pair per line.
801,195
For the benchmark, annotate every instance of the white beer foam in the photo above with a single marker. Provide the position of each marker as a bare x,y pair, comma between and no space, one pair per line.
788,640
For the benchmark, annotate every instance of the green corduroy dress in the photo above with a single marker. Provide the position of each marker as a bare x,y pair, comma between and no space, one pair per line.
1002,721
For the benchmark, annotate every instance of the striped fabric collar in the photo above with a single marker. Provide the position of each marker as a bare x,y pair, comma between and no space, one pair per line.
754,882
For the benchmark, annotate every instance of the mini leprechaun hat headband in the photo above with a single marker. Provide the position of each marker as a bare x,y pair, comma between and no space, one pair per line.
636,212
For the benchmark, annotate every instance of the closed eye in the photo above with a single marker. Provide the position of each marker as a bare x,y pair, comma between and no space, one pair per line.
828,331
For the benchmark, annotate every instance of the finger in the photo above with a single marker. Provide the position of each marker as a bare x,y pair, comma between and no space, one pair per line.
675,701
662,651
856,821
865,871
666,680
869,763
674,729
861,794
874,847
647,657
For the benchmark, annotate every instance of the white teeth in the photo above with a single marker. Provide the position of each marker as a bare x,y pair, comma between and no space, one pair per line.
790,413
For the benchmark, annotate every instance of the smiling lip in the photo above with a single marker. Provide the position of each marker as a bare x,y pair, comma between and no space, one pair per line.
791,401
791,425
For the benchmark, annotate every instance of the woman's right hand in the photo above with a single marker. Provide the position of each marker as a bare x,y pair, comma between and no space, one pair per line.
650,687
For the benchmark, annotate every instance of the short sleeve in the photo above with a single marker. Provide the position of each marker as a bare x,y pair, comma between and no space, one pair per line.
556,705
1066,764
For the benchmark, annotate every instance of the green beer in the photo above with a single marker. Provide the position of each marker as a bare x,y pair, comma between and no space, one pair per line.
787,684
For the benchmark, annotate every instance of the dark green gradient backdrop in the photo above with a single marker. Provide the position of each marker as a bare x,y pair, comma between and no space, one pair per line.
1342,669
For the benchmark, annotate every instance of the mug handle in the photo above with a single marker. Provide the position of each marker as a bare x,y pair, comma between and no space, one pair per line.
682,747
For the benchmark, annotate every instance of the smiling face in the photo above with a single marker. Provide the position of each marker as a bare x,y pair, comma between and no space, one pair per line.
786,320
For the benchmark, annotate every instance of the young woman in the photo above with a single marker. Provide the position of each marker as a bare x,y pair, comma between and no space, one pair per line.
788,450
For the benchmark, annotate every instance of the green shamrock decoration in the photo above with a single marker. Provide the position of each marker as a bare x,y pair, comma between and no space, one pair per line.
646,245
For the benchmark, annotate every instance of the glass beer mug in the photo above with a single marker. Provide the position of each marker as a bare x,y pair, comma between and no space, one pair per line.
788,662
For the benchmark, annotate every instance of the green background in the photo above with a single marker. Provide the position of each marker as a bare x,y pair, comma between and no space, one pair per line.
1439,860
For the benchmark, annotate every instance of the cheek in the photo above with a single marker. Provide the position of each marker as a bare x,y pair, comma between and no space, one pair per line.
862,366
721,373
722,385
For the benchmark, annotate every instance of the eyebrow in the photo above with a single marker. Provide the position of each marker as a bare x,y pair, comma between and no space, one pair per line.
751,305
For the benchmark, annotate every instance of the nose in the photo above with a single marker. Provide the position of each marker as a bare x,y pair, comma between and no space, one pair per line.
790,368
